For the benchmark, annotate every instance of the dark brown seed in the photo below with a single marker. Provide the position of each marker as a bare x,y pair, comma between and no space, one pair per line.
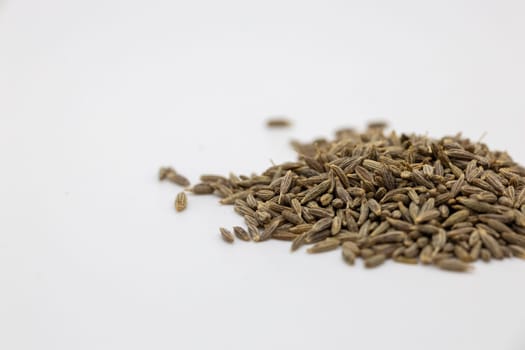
226,235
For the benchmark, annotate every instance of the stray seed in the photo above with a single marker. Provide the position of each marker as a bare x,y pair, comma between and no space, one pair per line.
278,122
226,235
181,201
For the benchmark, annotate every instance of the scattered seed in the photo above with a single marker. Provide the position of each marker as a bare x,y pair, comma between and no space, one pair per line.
181,201
226,235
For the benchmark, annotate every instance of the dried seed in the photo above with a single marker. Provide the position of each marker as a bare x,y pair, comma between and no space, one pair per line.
458,216
405,260
202,188
278,122
375,260
374,206
176,178
426,255
226,235
324,246
241,233
517,251
462,254
514,238
348,253
491,244
181,201
284,235
316,191
453,265
336,225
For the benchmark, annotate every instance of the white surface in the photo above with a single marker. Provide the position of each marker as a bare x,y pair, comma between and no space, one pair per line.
96,95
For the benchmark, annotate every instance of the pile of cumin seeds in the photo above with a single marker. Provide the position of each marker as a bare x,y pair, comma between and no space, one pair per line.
377,196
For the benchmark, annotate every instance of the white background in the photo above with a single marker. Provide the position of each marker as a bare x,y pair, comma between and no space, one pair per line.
96,95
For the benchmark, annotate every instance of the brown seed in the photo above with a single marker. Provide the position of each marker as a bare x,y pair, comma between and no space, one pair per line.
284,235
453,265
426,255
514,238
270,228
348,253
336,225
462,254
163,172
241,233
374,206
226,235
254,232
375,260
458,216
405,260
389,237
491,244
278,122
427,216
202,188
181,201
298,241
316,191
475,251
324,246
517,251
286,184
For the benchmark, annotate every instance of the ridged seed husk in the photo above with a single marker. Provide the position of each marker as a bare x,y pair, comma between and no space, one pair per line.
226,235
181,201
